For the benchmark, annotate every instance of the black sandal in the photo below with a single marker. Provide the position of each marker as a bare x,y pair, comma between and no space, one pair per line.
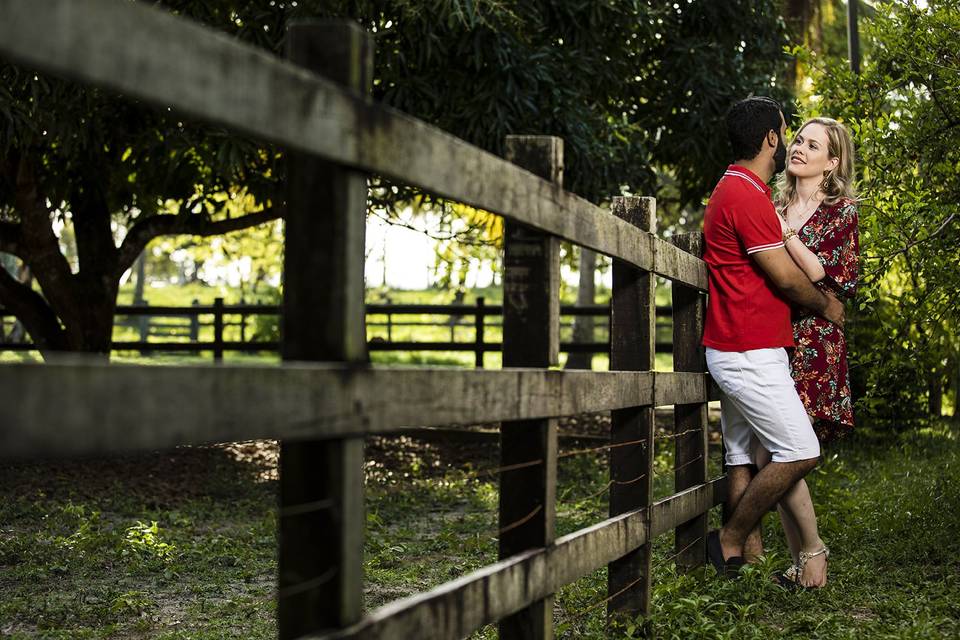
729,568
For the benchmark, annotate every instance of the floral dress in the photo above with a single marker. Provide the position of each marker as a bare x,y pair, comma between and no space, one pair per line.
819,362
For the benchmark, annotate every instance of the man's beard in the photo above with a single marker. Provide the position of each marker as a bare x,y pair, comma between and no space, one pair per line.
780,157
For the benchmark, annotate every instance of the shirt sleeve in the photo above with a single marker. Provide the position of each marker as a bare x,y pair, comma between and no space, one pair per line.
839,251
757,226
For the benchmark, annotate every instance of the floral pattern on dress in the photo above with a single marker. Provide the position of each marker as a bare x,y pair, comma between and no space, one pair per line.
819,361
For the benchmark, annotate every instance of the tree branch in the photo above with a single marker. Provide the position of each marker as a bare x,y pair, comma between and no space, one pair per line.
33,311
911,244
142,232
10,241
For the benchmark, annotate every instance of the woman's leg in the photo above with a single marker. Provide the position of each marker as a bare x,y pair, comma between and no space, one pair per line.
799,522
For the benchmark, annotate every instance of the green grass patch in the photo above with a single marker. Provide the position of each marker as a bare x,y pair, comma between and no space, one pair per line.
182,544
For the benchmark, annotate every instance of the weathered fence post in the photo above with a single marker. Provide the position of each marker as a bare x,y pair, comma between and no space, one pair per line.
194,322
143,325
321,482
632,348
531,319
478,322
217,329
243,322
583,324
689,420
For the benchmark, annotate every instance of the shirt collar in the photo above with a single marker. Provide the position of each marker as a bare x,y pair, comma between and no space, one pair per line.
745,174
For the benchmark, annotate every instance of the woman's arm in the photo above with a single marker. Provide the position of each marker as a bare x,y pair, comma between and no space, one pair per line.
807,260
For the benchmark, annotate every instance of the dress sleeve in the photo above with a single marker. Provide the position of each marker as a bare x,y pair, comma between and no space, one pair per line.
757,227
839,251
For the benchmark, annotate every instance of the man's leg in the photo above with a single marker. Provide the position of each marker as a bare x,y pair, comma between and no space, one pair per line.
738,478
764,491
769,403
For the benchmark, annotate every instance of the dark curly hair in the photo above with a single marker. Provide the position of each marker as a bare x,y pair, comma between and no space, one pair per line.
748,123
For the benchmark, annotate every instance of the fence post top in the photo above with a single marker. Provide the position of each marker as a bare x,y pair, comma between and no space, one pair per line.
541,155
691,242
640,211
341,48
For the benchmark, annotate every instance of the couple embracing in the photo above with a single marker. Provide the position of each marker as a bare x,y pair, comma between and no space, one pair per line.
774,328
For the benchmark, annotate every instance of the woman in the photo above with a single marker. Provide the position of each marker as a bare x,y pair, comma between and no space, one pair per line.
818,213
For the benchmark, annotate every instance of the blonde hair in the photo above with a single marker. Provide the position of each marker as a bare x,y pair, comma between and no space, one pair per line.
838,183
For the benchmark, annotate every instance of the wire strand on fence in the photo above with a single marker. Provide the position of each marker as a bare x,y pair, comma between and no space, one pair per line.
495,470
609,598
687,463
634,583
607,486
521,521
677,554
674,436
306,585
605,447
306,507
532,463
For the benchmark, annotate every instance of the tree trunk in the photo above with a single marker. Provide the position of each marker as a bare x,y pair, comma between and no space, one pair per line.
955,380
86,314
141,270
583,325
798,16
935,394
75,311
91,330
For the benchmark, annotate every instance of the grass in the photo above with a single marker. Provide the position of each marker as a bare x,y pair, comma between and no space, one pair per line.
172,545
182,544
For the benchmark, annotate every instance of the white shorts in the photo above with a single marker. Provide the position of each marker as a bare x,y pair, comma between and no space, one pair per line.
760,404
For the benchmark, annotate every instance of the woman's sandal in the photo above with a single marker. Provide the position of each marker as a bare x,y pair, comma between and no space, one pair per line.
790,578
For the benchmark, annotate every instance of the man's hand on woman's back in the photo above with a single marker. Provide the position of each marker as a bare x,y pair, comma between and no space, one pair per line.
834,312
795,285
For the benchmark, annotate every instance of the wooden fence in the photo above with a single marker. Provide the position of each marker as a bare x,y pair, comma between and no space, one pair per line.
326,398
180,328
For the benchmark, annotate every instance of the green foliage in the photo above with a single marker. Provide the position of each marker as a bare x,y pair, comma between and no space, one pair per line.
624,83
138,157
904,112
144,540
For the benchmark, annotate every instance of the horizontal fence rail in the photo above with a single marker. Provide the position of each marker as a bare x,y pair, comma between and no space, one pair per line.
459,607
115,408
147,53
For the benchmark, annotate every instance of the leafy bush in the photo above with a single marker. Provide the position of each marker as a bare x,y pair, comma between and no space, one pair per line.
904,113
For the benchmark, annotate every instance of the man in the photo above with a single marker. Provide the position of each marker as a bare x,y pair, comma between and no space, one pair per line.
752,278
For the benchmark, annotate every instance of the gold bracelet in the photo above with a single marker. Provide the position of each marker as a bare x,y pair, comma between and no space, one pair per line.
789,233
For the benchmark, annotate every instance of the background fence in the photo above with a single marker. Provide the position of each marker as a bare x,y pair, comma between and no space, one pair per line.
234,328
315,105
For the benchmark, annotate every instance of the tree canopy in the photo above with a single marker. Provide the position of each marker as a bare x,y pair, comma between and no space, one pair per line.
633,87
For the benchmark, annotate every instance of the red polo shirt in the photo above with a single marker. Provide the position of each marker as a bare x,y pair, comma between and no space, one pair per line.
744,310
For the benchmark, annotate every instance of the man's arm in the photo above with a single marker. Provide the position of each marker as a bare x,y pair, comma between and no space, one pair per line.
795,285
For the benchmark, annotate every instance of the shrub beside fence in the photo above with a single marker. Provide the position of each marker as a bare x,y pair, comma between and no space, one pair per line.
322,405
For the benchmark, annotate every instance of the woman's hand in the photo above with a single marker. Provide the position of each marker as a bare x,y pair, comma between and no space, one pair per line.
783,224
